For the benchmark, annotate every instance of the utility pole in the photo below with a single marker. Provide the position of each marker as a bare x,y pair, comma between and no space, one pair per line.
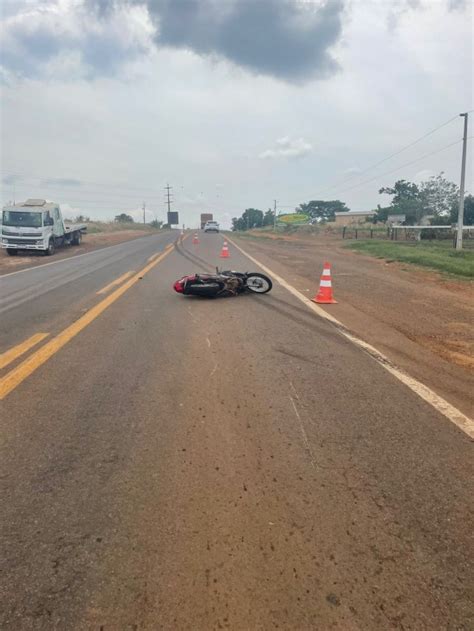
461,188
274,215
168,188
144,207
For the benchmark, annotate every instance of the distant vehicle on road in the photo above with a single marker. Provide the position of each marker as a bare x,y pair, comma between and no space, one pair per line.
211,226
37,225
205,217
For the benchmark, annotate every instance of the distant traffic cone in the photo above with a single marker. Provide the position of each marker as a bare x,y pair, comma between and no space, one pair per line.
195,239
324,295
225,251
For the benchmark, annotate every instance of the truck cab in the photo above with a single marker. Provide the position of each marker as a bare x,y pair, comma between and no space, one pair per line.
37,225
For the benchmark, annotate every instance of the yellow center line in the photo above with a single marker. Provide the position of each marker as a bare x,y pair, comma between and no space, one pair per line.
153,256
16,376
117,281
17,351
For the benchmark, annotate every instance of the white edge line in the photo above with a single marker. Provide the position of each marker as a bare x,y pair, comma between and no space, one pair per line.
75,256
441,405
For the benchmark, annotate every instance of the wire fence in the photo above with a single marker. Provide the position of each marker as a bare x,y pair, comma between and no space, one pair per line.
410,234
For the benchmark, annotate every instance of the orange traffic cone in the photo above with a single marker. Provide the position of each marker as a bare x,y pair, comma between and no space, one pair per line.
324,295
195,239
225,251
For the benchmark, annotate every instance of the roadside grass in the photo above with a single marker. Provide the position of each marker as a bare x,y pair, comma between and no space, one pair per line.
311,230
282,233
94,227
439,255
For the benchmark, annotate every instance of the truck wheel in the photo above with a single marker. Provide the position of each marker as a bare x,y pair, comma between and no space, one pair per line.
51,248
12,252
77,239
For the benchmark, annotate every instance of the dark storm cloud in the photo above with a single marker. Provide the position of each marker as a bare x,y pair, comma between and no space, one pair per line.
457,5
38,34
36,47
282,38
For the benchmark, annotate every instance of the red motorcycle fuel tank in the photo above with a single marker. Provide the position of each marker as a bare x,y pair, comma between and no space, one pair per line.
180,284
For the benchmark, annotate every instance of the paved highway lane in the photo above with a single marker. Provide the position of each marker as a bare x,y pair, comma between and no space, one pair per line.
236,463
51,294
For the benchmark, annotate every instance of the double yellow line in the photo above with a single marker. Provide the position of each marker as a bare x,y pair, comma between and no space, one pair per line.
17,351
117,281
16,376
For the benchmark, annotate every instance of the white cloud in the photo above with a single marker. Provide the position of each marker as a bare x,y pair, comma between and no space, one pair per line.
287,147
173,115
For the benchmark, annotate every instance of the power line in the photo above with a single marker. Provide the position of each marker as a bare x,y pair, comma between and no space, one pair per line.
392,155
427,155
380,175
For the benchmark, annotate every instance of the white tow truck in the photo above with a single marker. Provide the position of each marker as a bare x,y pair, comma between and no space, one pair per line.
37,225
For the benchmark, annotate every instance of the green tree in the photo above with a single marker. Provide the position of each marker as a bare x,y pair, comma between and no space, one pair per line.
406,200
123,218
468,211
439,196
251,218
238,224
382,213
269,218
156,223
322,210
436,196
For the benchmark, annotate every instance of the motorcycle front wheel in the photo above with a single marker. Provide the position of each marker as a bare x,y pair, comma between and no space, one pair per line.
258,283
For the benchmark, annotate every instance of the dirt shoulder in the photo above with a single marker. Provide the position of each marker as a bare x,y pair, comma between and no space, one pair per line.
420,319
89,243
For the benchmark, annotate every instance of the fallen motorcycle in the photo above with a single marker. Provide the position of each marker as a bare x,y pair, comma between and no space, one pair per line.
227,283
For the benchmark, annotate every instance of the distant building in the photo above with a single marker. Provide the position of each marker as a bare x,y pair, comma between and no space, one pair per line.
426,220
354,217
396,220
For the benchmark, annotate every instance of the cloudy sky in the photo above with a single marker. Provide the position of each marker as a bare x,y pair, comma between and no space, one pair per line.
235,103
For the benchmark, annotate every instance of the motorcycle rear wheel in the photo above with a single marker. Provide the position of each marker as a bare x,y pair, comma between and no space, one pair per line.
258,283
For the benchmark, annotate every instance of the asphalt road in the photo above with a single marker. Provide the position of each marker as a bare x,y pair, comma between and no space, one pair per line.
177,463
